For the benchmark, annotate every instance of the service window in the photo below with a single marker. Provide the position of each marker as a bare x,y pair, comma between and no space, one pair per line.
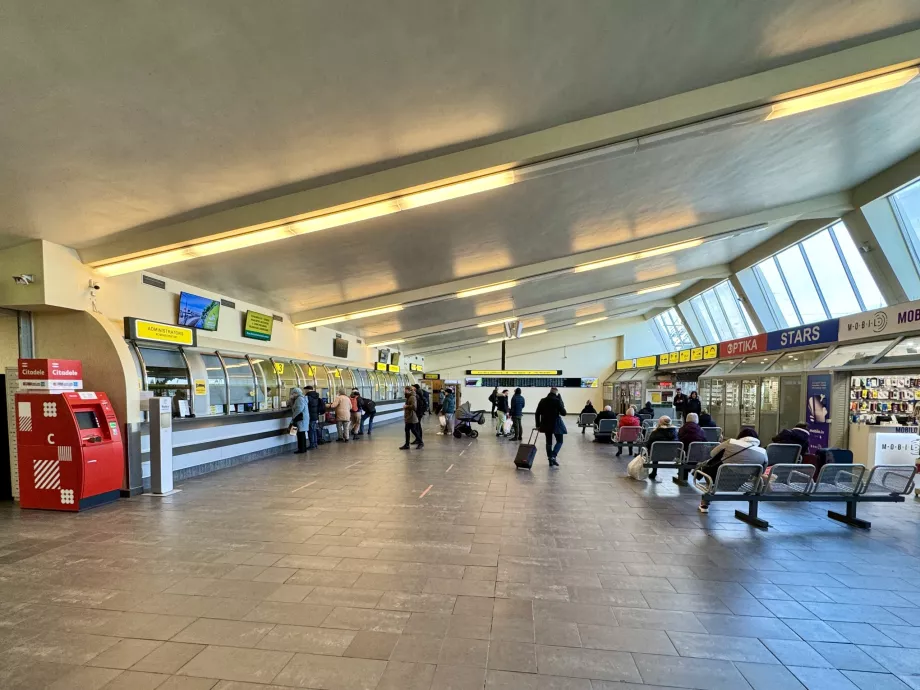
167,377
242,384
265,374
322,381
306,374
288,375
217,384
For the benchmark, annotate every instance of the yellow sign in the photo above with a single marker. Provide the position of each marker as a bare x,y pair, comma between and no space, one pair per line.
258,326
393,368
514,372
380,366
310,370
663,359
673,357
431,377
685,355
710,351
200,388
623,364
696,354
643,362
163,333
336,373
279,368
415,367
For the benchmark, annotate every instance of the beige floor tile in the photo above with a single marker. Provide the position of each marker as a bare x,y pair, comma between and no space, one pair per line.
188,683
137,680
83,678
308,640
372,645
289,613
168,658
278,575
366,619
458,651
407,676
458,678
290,593
63,648
225,633
124,654
332,673
235,663
417,649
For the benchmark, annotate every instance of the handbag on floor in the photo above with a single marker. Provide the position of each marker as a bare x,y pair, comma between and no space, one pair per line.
637,469
526,452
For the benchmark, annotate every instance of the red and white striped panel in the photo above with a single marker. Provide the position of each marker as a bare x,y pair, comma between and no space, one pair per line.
47,474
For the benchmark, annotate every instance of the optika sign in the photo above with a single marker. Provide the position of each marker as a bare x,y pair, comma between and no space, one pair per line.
743,346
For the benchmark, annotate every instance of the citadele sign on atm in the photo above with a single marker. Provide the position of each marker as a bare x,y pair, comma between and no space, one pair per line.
51,374
743,346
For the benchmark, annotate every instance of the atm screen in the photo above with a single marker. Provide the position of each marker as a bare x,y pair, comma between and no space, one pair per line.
87,420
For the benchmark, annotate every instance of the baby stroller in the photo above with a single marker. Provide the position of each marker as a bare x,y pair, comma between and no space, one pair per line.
465,420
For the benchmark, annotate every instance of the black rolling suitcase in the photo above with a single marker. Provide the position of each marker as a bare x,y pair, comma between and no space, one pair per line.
526,453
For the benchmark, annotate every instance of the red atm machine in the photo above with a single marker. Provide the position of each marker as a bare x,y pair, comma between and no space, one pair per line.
71,455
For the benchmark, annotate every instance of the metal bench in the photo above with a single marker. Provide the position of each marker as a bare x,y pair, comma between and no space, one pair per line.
784,453
628,435
713,433
667,454
585,420
793,482
605,429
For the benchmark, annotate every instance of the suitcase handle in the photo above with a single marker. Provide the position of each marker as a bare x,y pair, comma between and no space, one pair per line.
534,435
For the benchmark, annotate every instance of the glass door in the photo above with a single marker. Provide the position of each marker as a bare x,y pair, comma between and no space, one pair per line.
732,424
769,408
790,402
705,391
717,403
749,403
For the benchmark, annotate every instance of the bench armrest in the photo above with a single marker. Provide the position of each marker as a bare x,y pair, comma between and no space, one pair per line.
702,481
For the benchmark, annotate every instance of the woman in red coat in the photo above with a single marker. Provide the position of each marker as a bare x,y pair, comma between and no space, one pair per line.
628,419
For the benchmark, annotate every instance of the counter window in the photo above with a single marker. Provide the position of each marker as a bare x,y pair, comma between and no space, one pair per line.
268,395
905,352
322,381
242,390
288,375
751,365
720,368
306,375
853,355
217,384
348,381
167,376
796,361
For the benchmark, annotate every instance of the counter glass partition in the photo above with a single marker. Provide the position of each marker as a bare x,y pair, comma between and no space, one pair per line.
753,365
322,381
349,382
269,398
905,352
796,361
167,376
217,384
242,390
769,407
287,374
858,354
721,368
305,374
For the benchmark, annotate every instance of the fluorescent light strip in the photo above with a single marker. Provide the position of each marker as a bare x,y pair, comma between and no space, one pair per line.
351,317
657,288
585,323
529,333
389,342
495,323
635,256
843,93
454,191
487,288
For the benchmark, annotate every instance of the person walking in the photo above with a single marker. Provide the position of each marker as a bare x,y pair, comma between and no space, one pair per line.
316,409
548,419
342,415
410,418
493,398
679,401
368,412
300,418
449,410
517,414
693,404
501,413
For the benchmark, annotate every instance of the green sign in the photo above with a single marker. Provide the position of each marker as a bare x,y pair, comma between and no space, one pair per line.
258,326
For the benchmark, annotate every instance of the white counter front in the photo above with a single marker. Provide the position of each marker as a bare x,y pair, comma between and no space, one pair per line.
883,444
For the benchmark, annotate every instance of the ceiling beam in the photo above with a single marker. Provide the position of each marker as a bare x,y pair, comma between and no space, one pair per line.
887,181
657,116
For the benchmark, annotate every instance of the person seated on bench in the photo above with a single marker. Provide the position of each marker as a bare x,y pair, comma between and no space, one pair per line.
691,431
798,435
663,432
744,450
648,409
588,408
606,413
628,419
706,420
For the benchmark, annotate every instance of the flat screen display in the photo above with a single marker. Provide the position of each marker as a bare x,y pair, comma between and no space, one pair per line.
383,356
340,347
258,326
200,312
394,358
86,420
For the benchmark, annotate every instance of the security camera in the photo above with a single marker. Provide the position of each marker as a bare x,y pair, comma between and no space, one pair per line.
24,279
93,285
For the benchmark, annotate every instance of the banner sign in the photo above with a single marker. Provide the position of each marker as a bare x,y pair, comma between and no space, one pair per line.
380,366
696,354
710,351
897,319
51,374
743,346
812,334
153,331
818,411
517,372
430,377
258,326
644,362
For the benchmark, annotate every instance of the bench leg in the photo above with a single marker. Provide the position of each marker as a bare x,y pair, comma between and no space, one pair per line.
850,518
682,474
750,517
653,475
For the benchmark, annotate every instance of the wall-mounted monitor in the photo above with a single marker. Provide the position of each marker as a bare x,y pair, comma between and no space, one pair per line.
394,358
383,356
200,312
258,326
340,348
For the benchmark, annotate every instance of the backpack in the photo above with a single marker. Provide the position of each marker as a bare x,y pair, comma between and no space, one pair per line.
370,407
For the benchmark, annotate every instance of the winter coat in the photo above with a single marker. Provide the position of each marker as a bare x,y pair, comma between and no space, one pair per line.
679,401
517,405
693,405
502,404
588,409
648,409
410,412
342,408
689,433
315,405
629,420
661,433
449,404
548,412
797,436
602,415
706,421
299,410
741,451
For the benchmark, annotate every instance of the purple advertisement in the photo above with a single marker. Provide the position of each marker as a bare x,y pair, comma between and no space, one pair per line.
818,411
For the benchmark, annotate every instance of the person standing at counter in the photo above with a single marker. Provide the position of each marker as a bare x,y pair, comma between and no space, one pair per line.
355,398
342,415
369,411
300,418
316,408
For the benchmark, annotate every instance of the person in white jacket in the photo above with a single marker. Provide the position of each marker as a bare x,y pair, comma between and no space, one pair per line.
744,450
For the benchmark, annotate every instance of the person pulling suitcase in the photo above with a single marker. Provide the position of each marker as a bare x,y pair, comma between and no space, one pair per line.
527,452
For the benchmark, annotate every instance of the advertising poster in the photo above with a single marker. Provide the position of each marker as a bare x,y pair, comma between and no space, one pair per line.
818,411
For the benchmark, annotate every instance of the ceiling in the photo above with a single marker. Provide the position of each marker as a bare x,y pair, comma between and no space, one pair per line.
128,117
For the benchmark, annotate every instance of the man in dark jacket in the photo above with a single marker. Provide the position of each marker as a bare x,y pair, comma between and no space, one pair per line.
493,398
679,400
517,413
606,413
316,409
501,412
368,412
663,432
548,420
798,435
422,400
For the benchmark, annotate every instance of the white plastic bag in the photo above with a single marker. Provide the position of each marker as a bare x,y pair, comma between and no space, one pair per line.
508,425
636,469
442,420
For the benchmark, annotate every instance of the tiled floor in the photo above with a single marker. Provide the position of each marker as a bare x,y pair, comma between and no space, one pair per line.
334,572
